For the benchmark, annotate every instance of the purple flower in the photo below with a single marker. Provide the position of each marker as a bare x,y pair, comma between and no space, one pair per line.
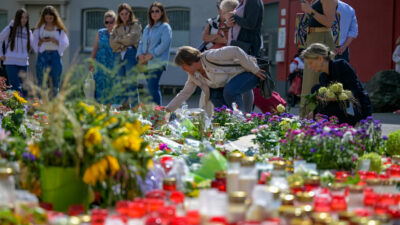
28,156
384,137
341,148
313,150
163,146
58,153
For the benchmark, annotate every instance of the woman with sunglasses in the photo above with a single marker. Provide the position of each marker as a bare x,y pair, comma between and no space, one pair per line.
154,48
104,55
50,41
124,40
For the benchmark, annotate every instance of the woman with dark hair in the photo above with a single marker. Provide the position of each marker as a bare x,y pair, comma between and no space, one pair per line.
319,58
50,41
17,38
154,48
246,22
124,40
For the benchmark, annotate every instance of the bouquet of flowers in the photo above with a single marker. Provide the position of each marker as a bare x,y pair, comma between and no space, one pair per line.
154,113
333,93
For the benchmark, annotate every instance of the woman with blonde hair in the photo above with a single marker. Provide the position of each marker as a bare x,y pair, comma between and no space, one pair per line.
124,40
319,58
104,55
50,41
154,48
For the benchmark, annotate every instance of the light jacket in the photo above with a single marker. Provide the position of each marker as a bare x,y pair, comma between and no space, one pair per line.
61,36
219,75
121,39
20,55
396,58
157,44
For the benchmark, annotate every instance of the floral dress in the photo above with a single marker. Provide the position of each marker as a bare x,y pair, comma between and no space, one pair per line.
106,57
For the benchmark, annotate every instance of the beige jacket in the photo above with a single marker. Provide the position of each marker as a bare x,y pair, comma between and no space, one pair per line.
219,75
121,39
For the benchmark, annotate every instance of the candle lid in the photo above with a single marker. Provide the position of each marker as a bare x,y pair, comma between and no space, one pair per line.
305,196
248,161
345,215
235,157
287,199
359,220
74,220
220,174
373,222
296,184
85,218
337,187
215,125
6,171
237,197
300,221
385,218
195,114
169,181
279,165
373,182
274,190
290,211
307,209
322,217
356,188
312,180
340,222
396,157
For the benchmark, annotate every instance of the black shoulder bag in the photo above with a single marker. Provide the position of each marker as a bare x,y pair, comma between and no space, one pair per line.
267,86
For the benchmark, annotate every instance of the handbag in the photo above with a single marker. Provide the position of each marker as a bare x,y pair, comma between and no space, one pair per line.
267,86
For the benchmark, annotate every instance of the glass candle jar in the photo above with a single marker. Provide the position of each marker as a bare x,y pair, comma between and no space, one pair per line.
356,197
219,182
169,184
232,173
338,203
248,175
304,198
237,206
312,183
7,187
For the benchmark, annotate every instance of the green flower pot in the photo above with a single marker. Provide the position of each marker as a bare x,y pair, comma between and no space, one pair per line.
62,187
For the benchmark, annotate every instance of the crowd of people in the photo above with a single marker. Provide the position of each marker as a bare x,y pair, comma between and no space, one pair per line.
224,66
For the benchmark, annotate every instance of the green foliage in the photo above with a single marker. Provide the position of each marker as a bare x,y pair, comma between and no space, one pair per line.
375,159
393,143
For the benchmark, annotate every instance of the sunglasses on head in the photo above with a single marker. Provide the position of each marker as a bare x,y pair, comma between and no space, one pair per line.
109,22
155,11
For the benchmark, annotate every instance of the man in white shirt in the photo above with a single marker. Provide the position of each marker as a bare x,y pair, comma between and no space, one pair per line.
348,30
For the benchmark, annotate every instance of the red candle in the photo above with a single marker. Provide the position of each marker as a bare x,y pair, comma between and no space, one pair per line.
338,203
370,198
169,184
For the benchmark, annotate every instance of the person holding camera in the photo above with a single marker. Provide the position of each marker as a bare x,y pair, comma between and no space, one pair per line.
50,41
223,75
322,15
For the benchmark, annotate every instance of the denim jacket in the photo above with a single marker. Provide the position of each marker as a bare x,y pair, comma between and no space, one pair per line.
159,43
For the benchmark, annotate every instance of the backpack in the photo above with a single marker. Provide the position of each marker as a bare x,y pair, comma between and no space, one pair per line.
3,45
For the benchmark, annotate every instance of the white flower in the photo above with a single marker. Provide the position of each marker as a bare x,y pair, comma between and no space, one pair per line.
280,108
347,136
322,91
326,129
330,94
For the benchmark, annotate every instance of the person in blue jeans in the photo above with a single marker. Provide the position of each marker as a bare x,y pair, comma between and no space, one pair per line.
124,40
223,75
50,41
17,38
154,48
104,55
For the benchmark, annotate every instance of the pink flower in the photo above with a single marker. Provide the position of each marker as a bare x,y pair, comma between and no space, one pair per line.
254,131
200,154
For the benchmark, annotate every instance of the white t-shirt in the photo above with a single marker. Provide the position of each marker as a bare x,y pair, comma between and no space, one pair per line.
49,46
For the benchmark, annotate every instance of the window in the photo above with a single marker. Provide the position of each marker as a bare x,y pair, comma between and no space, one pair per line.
179,19
93,20
3,19
141,15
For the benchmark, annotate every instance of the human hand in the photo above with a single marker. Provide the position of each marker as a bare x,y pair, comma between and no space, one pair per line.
230,22
3,58
340,50
55,41
148,57
306,7
260,74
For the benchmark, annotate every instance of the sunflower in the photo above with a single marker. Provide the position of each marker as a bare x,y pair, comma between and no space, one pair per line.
93,137
98,171
19,98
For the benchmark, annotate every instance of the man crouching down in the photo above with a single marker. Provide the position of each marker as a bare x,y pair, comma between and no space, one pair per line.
223,75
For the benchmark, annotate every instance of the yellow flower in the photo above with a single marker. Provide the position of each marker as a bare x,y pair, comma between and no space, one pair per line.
343,96
322,91
98,171
111,121
93,137
150,164
280,108
88,108
19,98
34,149
330,94
101,116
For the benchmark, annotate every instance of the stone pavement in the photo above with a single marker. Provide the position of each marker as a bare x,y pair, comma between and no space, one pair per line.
390,121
